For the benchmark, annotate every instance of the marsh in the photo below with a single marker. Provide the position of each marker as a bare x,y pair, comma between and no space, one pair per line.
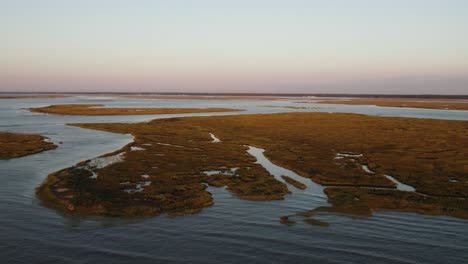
231,213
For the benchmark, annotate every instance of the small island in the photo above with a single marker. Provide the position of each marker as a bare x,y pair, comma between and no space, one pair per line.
100,110
14,145
365,164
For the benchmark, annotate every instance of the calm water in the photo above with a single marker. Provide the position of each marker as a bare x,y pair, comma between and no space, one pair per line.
231,231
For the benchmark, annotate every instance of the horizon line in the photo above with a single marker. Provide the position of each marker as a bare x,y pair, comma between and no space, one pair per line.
376,95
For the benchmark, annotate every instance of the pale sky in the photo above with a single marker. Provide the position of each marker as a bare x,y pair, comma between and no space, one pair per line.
289,46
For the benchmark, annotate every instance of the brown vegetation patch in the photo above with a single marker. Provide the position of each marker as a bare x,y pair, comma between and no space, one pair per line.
286,221
410,103
291,107
294,183
204,97
97,109
179,157
19,145
362,202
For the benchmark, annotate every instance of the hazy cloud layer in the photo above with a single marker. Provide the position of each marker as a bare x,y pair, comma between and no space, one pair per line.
294,46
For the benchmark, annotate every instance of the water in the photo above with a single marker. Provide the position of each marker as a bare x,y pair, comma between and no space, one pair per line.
278,171
231,231
399,185
215,139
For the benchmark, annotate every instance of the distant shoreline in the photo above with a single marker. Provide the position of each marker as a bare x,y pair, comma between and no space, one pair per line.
412,96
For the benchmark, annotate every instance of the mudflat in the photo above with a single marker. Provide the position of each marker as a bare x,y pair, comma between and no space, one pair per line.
167,167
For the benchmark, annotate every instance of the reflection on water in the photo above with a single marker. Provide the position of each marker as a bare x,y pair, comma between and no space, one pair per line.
231,231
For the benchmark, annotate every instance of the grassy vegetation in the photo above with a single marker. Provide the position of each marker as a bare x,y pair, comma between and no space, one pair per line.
362,202
291,107
97,109
411,103
179,157
19,145
294,183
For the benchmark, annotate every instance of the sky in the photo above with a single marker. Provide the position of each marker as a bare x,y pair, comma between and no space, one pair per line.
256,46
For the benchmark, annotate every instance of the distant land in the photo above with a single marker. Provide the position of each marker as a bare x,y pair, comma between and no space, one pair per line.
421,96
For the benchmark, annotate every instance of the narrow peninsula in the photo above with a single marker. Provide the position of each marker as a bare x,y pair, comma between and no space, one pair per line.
100,110
13,145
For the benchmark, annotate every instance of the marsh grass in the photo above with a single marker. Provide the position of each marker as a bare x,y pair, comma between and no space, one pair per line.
424,153
97,109
410,103
14,145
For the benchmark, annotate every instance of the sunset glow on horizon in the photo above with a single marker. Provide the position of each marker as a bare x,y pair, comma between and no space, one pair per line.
295,46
